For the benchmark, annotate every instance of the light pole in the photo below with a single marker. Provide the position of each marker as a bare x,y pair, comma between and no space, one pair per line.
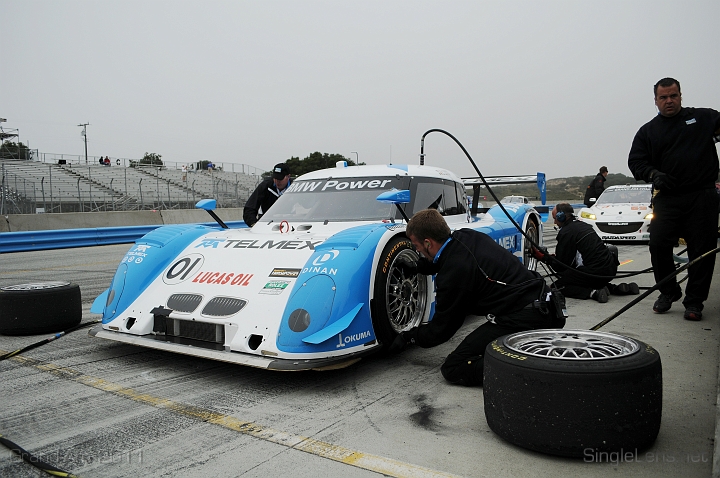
357,157
84,135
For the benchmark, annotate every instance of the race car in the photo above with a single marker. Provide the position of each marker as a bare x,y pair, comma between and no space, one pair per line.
621,213
516,199
315,284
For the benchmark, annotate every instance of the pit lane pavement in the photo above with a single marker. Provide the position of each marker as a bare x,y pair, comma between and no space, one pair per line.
100,408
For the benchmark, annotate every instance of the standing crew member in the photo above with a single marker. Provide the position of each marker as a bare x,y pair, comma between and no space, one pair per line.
266,194
675,152
475,276
596,186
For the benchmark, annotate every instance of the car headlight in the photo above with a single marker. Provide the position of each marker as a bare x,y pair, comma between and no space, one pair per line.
648,216
587,215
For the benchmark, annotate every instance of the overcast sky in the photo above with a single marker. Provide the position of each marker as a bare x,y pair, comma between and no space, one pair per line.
526,86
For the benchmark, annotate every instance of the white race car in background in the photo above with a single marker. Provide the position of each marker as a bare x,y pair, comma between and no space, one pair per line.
516,200
621,213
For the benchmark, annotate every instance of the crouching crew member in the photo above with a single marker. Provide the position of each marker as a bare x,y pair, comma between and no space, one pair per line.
587,265
475,276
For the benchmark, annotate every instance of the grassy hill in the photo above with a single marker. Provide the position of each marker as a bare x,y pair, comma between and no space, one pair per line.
560,188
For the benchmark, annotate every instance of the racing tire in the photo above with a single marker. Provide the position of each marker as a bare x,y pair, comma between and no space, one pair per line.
39,308
533,231
573,393
399,298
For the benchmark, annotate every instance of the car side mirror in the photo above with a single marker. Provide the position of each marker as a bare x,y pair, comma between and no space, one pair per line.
397,197
209,205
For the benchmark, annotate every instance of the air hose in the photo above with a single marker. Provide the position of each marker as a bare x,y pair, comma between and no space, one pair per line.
48,340
655,287
33,460
15,448
482,178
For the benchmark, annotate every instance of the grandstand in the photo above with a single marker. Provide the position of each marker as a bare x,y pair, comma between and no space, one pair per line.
31,186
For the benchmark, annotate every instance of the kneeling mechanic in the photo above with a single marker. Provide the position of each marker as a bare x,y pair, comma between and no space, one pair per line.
475,276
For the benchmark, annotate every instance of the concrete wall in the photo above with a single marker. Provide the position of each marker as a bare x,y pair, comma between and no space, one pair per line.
43,222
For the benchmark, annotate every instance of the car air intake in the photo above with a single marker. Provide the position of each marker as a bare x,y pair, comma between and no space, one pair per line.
223,306
184,302
619,227
189,329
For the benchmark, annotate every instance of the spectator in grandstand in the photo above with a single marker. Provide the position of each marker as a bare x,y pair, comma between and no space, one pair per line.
184,172
266,194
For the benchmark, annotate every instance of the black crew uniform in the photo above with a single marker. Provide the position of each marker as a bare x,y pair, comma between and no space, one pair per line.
580,251
260,201
462,289
681,146
594,189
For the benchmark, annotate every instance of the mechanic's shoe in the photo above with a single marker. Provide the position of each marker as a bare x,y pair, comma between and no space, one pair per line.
692,313
629,288
664,302
600,295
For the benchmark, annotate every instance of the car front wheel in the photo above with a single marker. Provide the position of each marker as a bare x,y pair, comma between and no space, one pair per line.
400,297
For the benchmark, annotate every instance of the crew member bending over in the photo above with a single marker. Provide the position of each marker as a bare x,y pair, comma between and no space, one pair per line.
474,276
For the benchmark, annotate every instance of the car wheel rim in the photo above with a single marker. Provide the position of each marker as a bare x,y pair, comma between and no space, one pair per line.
571,344
528,258
406,295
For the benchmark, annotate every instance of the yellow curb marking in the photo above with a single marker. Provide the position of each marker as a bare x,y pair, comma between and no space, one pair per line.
366,461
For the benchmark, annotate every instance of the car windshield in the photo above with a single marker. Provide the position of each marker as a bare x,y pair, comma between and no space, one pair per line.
625,195
334,199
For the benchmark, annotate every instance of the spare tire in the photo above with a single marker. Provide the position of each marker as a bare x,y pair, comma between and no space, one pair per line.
39,307
573,392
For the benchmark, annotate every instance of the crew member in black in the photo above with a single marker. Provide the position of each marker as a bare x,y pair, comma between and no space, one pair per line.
675,151
583,257
266,194
596,186
475,276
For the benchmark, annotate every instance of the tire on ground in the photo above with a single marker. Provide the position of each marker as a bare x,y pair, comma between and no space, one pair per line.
399,298
572,407
39,307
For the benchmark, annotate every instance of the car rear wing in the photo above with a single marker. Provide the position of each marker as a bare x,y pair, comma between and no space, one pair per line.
476,183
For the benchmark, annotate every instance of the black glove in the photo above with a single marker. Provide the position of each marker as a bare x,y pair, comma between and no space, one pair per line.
540,253
408,264
661,180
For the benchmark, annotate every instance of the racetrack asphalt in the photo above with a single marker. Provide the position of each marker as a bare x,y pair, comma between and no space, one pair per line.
100,408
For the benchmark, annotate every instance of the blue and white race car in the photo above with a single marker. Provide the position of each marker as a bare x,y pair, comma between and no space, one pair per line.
314,285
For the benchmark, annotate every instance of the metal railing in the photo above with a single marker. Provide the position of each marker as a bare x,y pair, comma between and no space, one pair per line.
30,187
